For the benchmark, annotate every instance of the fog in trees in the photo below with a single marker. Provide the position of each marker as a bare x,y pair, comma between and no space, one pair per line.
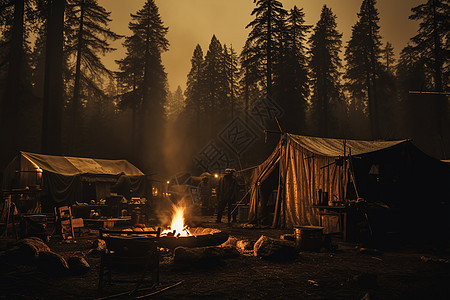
58,97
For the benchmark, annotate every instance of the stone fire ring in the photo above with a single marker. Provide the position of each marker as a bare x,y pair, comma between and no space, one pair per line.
201,237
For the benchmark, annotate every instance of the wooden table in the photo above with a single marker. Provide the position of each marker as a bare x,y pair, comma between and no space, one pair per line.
108,222
340,211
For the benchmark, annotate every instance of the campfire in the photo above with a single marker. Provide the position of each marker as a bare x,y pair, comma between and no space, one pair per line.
177,228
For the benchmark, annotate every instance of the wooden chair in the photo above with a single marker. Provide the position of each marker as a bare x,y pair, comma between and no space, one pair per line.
67,223
64,221
126,250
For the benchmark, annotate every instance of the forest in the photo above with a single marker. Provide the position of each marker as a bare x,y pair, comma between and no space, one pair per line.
58,97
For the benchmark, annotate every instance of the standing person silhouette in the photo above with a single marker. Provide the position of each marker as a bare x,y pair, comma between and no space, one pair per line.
227,195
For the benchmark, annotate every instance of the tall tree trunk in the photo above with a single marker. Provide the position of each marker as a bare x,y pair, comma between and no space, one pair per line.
232,97
10,125
145,108
325,100
53,86
372,81
440,102
269,48
76,105
134,125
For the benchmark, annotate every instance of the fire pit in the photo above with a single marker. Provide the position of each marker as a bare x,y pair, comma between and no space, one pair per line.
200,237
180,235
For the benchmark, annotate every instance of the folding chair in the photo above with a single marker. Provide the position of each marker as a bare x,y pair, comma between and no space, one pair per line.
126,250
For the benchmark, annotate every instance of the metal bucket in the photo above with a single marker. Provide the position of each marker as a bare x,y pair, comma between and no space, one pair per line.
308,238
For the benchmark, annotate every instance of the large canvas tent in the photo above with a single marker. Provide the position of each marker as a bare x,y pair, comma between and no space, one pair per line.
61,178
302,168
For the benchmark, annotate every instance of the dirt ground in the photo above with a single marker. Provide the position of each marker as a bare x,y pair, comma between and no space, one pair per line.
346,273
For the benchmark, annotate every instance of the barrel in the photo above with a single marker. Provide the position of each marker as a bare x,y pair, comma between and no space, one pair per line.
308,238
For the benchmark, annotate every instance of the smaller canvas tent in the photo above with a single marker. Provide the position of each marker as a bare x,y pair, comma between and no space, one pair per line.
393,172
61,177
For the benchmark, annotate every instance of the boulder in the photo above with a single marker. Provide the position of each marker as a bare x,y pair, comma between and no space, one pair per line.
98,246
244,245
52,263
274,249
24,251
78,265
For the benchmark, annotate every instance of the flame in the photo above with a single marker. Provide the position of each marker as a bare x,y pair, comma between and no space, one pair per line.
177,228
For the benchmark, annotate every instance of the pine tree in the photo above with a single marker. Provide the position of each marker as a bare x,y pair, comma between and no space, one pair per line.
214,83
388,57
264,37
195,96
363,67
16,98
231,73
431,41
53,84
325,65
411,75
291,86
431,44
143,59
89,37
250,76
175,104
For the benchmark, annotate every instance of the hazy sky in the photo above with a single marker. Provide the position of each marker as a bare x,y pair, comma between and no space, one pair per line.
193,22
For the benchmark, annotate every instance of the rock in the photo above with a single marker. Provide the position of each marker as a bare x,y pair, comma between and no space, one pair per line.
244,245
78,265
203,256
52,263
98,247
273,249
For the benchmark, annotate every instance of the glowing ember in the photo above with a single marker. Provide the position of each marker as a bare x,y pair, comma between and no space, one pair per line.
177,228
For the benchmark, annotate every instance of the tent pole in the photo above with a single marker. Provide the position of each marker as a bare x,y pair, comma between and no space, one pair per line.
352,174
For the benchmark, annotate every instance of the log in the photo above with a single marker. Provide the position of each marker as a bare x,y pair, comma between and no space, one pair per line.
275,249
52,263
202,256
78,265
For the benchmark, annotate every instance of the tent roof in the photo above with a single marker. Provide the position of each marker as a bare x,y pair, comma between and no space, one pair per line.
335,147
71,166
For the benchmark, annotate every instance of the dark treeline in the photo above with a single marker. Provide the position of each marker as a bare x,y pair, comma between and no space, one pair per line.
325,87
57,97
